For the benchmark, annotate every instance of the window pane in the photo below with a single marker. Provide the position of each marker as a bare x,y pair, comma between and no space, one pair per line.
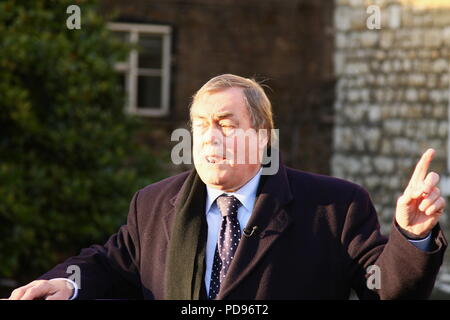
149,92
150,51
122,83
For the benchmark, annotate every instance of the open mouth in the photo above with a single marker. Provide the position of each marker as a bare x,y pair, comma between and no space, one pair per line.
215,160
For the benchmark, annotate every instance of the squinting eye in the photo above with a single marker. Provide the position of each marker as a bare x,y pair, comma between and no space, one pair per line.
198,124
226,125
227,129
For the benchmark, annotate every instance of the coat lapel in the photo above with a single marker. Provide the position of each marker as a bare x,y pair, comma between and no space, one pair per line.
168,218
272,219
173,203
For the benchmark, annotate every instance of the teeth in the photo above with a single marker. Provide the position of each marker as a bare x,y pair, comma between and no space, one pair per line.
214,159
211,160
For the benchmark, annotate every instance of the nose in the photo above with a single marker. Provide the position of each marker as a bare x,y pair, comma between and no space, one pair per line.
212,136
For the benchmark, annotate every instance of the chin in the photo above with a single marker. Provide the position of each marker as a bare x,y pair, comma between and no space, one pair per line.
216,175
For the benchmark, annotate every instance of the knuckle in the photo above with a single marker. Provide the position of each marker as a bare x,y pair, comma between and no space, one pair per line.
436,178
437,191
38,287
18,291
32,290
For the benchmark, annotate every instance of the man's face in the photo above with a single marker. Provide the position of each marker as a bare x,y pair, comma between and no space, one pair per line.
218,120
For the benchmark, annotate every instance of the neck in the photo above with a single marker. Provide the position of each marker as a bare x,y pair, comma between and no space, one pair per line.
235,188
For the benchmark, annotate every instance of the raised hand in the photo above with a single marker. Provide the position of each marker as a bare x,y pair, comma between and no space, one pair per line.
421,205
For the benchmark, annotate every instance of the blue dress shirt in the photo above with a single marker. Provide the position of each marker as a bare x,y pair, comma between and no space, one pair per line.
246,195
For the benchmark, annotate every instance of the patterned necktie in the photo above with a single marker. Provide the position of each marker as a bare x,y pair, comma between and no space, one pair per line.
229,237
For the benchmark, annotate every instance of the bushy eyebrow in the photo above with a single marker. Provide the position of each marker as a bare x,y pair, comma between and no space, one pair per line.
225,114
218,116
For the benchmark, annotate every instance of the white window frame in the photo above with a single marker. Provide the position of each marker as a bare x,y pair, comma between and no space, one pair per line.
131,69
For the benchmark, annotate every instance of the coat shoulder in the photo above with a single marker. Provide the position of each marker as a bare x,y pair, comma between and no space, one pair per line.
324,187
164,189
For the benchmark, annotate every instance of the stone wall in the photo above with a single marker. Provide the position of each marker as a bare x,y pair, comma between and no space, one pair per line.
391,95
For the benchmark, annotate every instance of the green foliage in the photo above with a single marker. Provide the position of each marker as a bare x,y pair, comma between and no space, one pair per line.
67,161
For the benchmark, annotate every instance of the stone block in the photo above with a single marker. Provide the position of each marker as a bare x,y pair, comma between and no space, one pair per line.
341,3
446,36
374,113
353,166
394,14
411,94
444,80
438,95
386,38
341,18
393,127
384,164
356,68
440,66
370,38
372,182
341,40
404,146
432,38
439,111
357,3
442,130
339,63
358,18
405,164
386,147
416,79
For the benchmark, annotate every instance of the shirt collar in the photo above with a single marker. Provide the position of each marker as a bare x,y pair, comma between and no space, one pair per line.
246,194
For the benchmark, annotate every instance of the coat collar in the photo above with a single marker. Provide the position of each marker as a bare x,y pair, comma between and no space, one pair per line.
246,194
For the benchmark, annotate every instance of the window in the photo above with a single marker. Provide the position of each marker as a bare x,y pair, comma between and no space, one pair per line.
146,74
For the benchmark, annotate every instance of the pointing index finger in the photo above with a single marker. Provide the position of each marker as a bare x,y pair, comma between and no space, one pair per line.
422,167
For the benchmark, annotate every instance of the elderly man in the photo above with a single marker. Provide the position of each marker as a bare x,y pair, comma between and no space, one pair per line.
225,230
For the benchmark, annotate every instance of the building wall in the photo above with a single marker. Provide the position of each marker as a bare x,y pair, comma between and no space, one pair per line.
391,96
289,43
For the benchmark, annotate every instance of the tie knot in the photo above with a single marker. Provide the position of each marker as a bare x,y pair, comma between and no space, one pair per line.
228,205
